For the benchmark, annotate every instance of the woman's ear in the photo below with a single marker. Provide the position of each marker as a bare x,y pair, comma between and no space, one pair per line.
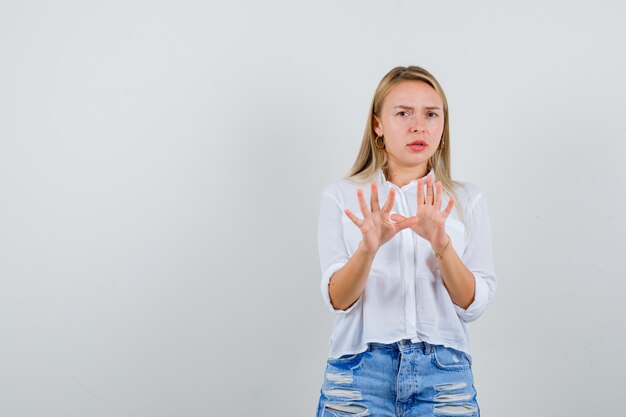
378,127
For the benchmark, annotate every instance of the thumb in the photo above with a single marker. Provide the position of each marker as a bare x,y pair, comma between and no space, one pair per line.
403,222
396,217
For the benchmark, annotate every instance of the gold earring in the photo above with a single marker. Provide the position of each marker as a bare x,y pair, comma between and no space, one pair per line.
381,144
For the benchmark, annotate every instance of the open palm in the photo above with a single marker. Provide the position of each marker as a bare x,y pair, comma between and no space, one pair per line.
375,225
430,221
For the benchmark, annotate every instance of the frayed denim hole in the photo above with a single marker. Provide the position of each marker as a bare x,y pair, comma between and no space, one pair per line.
445,397
455,410
339,378
453,386
344,393
345,410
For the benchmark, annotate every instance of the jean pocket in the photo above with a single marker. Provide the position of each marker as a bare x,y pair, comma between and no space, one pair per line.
347,361
449,359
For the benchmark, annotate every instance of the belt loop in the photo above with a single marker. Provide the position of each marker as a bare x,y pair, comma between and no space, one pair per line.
427,348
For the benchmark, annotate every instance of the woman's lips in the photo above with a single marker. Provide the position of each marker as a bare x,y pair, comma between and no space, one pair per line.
417,146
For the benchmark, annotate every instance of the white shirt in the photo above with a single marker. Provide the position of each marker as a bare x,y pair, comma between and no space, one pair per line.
404,296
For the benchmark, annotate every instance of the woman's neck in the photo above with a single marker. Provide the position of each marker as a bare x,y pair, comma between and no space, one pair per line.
401,176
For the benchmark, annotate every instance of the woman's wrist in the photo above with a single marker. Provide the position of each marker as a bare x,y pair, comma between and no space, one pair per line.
441,245
367,252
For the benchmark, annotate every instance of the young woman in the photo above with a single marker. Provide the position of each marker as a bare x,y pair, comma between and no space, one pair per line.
403,276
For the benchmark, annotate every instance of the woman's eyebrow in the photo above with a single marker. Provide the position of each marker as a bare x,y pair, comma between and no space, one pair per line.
412,108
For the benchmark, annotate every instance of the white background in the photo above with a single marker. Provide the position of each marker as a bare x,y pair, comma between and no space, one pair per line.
161,165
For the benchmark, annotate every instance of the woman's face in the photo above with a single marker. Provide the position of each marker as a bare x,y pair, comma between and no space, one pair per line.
411,122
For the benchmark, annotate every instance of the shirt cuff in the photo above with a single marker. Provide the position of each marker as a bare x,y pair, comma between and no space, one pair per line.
326,275
481,295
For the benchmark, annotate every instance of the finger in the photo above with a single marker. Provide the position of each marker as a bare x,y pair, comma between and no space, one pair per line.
449,208
358,222
420,192
438,196
408,222
402,222
429,190
390,200
374,196
397,217
364,210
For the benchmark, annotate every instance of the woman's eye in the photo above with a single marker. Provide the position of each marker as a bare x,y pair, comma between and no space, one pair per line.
433,114
402,113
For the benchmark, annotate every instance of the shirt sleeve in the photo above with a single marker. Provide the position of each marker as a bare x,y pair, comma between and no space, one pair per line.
333,252
478,258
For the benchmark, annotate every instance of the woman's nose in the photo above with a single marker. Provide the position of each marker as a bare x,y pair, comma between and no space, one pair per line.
417,127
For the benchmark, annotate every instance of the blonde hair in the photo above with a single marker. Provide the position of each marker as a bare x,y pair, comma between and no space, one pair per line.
371,158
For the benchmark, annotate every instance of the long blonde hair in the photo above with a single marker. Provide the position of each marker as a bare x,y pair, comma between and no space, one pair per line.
371,158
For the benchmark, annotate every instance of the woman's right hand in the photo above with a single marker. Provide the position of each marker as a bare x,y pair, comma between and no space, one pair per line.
376,227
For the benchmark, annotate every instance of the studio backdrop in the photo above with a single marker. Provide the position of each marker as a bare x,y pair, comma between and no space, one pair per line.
162,163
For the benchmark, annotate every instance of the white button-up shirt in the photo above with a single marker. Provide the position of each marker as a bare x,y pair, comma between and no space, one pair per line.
404,297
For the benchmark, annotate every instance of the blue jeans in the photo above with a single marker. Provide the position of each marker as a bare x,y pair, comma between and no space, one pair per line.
399,379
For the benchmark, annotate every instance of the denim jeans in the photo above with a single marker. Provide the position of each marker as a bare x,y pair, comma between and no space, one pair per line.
399,379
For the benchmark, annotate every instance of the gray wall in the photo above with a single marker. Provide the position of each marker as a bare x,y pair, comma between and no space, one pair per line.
161,165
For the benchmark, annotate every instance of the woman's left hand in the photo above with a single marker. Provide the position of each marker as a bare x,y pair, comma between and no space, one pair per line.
431,221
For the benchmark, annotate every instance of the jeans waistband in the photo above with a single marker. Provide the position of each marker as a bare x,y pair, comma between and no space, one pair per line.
404,345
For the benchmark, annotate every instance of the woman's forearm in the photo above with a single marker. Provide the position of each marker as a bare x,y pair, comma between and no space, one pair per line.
457,278
347,283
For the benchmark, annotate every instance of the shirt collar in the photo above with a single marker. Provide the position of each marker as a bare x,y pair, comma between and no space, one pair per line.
380,178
